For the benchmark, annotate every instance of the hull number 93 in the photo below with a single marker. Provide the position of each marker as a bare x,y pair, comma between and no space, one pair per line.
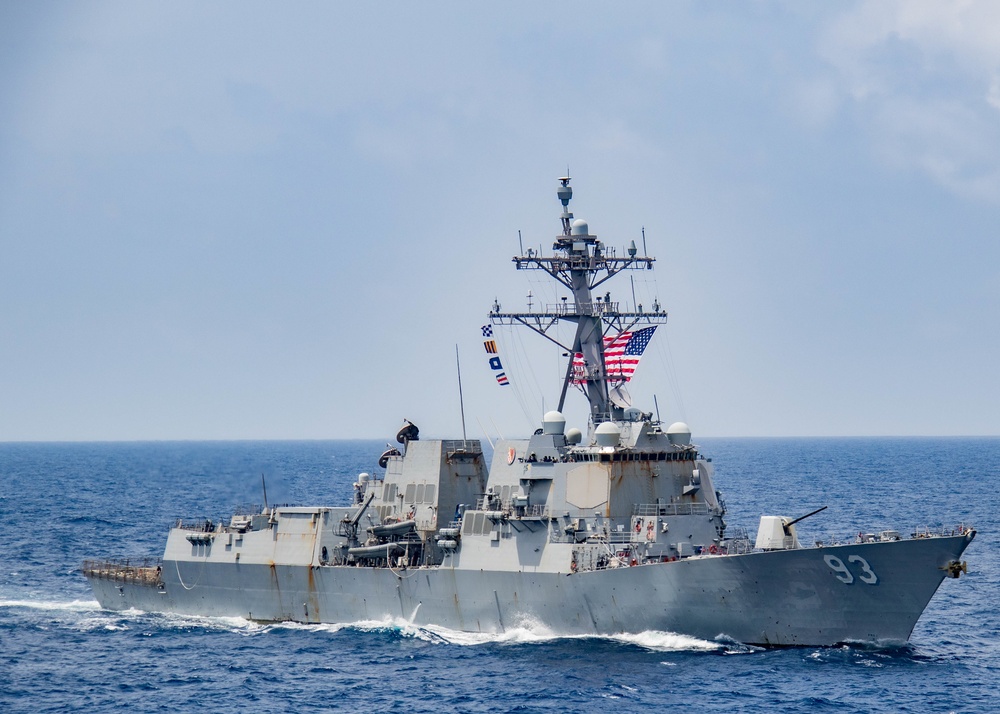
846,574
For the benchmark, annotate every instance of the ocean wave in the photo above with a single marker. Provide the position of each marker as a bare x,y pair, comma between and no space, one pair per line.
72,606
173,621
525,632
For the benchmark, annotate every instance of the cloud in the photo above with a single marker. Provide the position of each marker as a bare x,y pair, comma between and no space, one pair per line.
925,76
815,101
993,96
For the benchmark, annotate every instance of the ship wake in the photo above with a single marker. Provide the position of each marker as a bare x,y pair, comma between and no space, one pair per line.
525,632
71,606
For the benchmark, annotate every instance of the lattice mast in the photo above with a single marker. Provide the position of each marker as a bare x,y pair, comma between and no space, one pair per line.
582,263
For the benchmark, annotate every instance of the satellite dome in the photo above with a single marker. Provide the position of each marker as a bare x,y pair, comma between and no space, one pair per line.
574,436
553,423
579,227
679,433
632,414
608,434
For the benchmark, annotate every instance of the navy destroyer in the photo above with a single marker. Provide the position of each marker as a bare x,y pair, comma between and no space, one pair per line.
616,530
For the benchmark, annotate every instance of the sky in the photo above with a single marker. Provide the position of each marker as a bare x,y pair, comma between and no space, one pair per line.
277,221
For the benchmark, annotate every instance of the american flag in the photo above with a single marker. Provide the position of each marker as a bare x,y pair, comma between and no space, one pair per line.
621,355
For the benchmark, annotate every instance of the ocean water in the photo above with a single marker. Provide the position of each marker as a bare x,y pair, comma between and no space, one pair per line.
61,503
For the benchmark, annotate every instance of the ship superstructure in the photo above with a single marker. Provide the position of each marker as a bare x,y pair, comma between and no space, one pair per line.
616,530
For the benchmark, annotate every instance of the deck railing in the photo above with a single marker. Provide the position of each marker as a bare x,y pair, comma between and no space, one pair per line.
145,571
670,509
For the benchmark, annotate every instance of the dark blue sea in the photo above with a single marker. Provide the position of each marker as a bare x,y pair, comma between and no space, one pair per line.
61,503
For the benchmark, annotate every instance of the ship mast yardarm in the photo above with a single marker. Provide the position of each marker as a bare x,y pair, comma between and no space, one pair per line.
581,263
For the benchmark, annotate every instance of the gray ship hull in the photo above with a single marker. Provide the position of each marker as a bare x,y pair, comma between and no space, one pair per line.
869,592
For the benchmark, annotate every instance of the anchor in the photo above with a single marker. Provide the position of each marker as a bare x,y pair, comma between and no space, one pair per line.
956,568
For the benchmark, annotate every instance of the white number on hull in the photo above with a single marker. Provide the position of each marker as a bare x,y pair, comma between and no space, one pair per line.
844,573
867,574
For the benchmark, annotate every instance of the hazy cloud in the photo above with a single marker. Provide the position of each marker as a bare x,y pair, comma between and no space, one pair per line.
924,74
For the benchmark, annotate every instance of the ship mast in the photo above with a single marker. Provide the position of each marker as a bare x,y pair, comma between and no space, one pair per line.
582,263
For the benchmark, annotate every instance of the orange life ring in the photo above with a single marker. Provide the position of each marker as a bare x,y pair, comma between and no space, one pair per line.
713,549
634,562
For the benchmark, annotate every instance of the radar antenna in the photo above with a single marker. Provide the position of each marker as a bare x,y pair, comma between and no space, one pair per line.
581,263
